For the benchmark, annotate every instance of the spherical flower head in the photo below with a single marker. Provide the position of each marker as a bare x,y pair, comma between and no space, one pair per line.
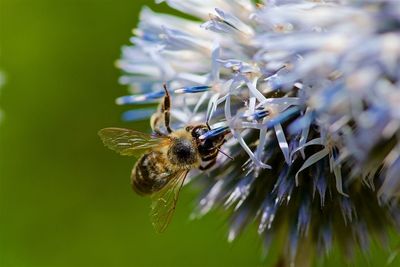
309,91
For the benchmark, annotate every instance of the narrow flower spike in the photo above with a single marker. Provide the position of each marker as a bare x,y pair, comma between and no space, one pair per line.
193,89
135,99
256,116
309,94
214,132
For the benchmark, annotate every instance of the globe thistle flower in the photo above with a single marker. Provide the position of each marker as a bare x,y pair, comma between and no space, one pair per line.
310,93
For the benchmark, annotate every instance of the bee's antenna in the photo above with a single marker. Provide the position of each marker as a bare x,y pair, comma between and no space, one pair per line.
222,152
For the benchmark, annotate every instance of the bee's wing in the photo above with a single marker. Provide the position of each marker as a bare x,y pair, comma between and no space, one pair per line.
128,142
164,201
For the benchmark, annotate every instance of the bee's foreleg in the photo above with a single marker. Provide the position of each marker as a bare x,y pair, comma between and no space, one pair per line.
162,116
155,123
165,108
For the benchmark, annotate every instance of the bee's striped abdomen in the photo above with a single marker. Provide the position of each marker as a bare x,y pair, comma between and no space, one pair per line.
150,173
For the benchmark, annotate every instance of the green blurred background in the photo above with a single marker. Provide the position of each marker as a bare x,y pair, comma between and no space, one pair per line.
65,200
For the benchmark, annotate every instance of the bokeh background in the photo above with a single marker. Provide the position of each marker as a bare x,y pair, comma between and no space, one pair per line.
65,200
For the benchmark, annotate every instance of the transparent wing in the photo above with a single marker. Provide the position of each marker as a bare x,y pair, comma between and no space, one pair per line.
128,142
164,201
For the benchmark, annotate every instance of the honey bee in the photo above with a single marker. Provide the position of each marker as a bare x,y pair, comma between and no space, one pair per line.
165,158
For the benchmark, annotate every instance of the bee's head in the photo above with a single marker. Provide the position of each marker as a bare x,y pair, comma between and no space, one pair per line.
183,150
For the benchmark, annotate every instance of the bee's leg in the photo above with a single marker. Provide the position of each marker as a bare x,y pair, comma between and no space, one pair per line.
208,165
210,156
165,108
223,153
162,116
155,123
